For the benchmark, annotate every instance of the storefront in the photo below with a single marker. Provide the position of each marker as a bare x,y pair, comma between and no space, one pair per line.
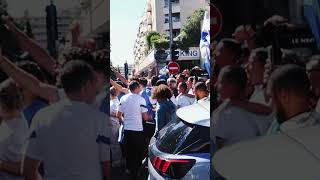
187,60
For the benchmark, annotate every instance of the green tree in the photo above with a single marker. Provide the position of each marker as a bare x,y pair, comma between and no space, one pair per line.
157,41
152,36
190,34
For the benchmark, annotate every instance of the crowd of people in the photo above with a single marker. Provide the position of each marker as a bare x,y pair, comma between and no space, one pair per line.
258,95
54,112
61,118
141,106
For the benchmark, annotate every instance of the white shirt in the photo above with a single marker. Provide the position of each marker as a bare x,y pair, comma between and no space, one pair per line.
258,95
13,137
183,101
71,139
114,105
235,125
174,100
132,106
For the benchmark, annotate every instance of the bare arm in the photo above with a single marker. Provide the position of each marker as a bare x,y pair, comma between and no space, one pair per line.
28,81
119,116
30,169
39,54
119,87
118,75
112,114
252,107
13,168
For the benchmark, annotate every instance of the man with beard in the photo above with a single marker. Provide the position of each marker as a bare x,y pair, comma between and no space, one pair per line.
290,92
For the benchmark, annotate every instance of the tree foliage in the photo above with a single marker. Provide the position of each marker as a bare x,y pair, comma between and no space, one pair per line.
190,34
152,36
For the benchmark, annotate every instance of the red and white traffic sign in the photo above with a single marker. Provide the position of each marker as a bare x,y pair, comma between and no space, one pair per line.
174,68
215,21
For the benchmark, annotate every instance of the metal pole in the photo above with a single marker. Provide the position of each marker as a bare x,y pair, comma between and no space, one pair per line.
170,26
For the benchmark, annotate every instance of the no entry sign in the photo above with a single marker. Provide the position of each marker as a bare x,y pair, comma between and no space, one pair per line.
173,68
215,21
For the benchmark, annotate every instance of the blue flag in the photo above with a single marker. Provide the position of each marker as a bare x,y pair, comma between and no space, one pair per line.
205,42
312,15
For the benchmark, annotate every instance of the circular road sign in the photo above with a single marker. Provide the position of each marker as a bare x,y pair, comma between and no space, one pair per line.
215,21
174,68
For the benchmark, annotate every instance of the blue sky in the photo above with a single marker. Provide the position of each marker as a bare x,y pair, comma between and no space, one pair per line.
124,22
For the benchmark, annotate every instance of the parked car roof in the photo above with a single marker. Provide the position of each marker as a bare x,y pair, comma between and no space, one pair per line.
198,113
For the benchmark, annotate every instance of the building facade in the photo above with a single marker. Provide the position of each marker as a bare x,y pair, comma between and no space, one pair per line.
95,21
39,28
156,18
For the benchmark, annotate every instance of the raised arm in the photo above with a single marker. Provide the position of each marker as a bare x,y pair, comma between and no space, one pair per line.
119,87
28,81
252,107
118,75
39,54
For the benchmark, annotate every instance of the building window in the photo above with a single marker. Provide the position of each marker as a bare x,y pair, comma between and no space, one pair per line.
173,2
175,32
175,17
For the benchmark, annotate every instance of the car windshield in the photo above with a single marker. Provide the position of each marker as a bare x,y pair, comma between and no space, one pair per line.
172,136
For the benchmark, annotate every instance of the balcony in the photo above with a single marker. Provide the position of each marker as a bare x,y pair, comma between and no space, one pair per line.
175,8
175,25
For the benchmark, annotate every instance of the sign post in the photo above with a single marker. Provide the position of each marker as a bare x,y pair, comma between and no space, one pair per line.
174,68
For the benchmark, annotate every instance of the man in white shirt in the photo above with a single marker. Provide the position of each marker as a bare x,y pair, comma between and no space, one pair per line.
290,92
132,111
71,137
233,124
201,92
255,70
183,99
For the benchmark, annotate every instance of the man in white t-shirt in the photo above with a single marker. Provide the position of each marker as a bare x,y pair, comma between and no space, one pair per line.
183,99
71,137
255,71
132,111
232,124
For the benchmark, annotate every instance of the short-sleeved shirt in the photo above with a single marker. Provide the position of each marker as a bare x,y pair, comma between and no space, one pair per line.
132,106
71,139
13,137
236,124
183,101
303,120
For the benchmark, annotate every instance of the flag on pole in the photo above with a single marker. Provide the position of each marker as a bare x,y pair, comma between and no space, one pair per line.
312,15
205,42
